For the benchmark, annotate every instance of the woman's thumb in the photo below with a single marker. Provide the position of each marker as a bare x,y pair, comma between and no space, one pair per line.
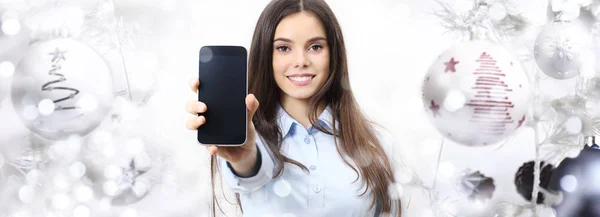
252,105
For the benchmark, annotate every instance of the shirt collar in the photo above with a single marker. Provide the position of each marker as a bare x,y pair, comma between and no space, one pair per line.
286,122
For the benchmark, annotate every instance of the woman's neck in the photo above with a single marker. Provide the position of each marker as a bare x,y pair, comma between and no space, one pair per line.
298,109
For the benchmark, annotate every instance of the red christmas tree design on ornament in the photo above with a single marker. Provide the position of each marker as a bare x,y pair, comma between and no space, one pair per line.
491,101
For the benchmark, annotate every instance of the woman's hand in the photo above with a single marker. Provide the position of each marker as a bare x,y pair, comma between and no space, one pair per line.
242,158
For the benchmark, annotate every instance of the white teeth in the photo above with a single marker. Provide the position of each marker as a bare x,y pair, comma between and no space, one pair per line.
303,78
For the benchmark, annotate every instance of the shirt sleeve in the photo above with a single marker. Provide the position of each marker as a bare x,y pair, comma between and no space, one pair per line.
264,174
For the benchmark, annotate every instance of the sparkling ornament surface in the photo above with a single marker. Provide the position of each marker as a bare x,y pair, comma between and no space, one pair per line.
560,48
62,87
476,93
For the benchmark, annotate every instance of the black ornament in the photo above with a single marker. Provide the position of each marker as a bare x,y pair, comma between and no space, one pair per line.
524,179
580,190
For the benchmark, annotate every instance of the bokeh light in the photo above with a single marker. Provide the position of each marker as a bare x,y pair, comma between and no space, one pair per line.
129,212
7,69
61,201
11,26
87,102
454,100
26,194
81,211
83,193
568,183
573,125
282,188
77,169
446,169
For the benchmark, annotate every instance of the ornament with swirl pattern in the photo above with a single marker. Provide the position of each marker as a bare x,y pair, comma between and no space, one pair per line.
62,87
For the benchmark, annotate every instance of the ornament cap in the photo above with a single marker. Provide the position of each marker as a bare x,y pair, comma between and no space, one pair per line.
590,142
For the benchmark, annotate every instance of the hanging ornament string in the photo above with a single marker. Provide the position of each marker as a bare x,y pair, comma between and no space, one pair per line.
476,20
120,36
437,167
536,170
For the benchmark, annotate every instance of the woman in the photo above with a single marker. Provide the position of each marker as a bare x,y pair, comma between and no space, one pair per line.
310,151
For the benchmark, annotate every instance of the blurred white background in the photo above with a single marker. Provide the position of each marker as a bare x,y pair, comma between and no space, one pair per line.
390,44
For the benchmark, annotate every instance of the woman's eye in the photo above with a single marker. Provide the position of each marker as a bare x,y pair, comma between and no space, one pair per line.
283,48
316,47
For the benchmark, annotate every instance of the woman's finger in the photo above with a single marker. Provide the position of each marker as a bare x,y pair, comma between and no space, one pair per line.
195,122
252,105
194,84
195,107
212,149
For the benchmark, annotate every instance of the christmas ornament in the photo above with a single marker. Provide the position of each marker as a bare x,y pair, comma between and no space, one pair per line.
524,179
476,186
132,186
127,175
62,87
560,50
577,179
476,93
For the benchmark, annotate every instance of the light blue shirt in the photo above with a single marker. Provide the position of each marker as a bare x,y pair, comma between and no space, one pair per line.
328,190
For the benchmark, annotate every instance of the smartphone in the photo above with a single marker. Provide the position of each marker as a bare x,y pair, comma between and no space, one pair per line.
223,75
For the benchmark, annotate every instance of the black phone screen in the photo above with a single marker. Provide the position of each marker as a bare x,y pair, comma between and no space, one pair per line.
223,88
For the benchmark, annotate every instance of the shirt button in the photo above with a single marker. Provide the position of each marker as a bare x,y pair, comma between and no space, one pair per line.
313,167
307,140
318,189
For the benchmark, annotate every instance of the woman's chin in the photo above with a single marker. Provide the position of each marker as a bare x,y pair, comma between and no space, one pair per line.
300,95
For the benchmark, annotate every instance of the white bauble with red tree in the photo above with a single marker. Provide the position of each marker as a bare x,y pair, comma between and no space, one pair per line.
476,93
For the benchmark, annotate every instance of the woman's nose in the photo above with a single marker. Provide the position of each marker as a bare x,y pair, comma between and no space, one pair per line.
301,59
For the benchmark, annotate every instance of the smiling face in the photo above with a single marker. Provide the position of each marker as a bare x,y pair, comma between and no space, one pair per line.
300,56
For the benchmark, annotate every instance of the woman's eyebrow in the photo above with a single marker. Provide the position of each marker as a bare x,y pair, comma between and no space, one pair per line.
310,40
283,39
317,39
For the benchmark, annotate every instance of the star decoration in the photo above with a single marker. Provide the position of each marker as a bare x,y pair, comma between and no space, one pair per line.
57,55
132,186
435,109
451,65
130,174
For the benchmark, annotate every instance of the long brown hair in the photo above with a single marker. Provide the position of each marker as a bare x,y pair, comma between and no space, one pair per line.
355,136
